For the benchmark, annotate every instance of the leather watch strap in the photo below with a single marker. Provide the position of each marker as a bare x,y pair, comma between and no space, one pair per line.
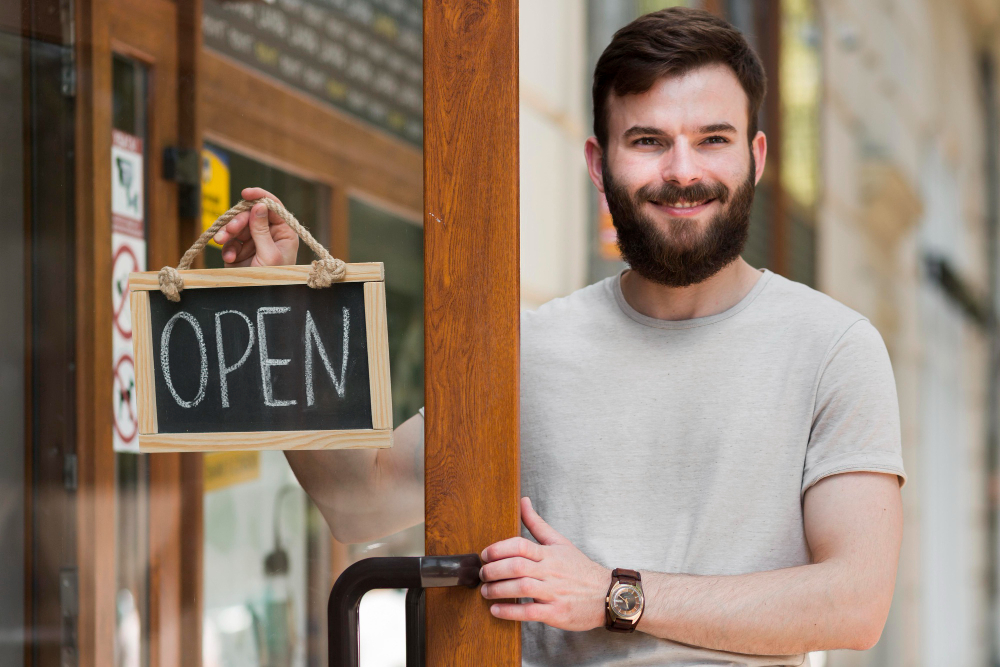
626,576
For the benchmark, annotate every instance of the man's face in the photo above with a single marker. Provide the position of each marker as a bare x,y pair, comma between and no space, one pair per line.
679,175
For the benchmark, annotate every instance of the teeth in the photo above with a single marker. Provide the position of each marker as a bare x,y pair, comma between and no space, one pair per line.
687,204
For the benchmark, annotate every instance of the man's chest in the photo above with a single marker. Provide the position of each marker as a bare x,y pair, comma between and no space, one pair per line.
686,450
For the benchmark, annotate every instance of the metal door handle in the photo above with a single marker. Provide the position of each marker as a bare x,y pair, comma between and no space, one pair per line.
414,574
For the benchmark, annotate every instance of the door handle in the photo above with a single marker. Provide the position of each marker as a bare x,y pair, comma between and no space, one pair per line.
412,573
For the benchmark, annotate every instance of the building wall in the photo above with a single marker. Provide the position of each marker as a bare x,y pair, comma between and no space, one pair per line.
903,166
555,189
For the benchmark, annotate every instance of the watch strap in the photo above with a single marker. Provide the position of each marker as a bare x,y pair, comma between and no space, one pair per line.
626,576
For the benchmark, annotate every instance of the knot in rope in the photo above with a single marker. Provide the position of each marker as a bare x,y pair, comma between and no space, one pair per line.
171,283
326,271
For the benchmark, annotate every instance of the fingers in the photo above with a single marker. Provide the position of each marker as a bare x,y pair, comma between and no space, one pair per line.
257,193
531,611
239,223
524,587
509,568
235,228
260,231
245,250
541,531
512,547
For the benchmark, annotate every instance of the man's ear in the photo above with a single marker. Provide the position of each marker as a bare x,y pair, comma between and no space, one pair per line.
595,167
759,148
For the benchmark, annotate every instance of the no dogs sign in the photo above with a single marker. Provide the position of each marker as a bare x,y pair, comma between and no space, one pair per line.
256,358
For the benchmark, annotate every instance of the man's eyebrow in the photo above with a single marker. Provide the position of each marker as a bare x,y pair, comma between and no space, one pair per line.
637,130
716,127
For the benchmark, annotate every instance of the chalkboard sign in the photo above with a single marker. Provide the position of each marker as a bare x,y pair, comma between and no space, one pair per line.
253,358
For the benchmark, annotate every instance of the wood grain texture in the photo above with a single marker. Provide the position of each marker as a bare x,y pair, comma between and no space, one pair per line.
283,440
142,356
379,378
250,276
192,544
471,311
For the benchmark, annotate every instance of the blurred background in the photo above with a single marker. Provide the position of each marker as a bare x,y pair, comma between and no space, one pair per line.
881,189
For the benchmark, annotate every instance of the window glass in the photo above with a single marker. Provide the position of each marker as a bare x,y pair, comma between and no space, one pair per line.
380,236
13,346
129,101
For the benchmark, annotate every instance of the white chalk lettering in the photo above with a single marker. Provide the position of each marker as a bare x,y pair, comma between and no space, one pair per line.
225,370
266,362
312,338
165,358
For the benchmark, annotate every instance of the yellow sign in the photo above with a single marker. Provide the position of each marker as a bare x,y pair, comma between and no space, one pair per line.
214,187
224,469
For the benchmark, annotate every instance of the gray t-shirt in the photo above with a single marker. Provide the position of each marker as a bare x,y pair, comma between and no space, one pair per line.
686,446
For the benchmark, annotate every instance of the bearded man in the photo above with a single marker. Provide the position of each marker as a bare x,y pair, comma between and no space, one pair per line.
715,449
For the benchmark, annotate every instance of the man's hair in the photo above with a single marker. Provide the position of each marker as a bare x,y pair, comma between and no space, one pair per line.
672,42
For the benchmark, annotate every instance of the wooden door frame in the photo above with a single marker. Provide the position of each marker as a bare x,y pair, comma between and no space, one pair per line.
96,513
471,312
95,46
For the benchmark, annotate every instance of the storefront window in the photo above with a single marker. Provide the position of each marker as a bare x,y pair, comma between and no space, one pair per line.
122,139
361,57
378,235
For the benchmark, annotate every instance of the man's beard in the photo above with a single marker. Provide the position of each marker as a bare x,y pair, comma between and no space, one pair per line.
680,256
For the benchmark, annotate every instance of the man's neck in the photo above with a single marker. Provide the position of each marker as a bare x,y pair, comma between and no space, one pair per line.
716,295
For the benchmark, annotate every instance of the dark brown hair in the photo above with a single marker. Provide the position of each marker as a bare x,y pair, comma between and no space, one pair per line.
672,42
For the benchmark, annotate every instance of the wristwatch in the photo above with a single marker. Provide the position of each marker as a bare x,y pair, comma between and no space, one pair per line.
624,604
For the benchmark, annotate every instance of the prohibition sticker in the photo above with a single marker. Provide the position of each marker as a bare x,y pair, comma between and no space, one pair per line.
128,254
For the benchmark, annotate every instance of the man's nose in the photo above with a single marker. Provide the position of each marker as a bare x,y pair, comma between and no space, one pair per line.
680,165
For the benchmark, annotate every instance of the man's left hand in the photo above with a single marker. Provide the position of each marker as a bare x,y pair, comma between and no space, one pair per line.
568,589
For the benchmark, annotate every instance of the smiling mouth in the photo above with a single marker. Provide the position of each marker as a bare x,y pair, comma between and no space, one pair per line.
682,204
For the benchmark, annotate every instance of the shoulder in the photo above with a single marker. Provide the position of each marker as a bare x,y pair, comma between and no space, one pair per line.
590,303
808,314
564,324
802,304
843,341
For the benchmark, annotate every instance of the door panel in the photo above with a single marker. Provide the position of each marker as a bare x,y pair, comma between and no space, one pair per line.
471,313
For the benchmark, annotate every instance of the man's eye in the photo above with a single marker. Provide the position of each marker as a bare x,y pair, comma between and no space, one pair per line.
645,141
716,140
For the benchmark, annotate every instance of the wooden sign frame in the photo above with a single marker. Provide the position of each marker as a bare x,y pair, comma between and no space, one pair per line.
372,274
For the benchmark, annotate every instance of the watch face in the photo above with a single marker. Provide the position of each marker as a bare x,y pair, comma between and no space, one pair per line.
626,602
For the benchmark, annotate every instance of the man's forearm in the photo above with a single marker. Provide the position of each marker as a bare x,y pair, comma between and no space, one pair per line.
366,494
781,612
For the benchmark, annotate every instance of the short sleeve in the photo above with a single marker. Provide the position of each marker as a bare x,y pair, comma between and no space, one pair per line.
856,418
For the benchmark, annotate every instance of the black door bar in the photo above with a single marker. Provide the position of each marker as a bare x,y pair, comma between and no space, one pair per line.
414,574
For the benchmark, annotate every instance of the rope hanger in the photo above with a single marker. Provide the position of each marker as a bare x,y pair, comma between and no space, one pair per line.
325,271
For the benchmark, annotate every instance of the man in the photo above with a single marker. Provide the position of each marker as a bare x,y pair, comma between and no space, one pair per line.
728,436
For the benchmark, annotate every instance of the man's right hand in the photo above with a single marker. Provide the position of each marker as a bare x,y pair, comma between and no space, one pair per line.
258,237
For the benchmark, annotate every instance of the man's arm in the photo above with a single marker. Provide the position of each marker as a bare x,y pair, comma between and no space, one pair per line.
365,494
853,525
